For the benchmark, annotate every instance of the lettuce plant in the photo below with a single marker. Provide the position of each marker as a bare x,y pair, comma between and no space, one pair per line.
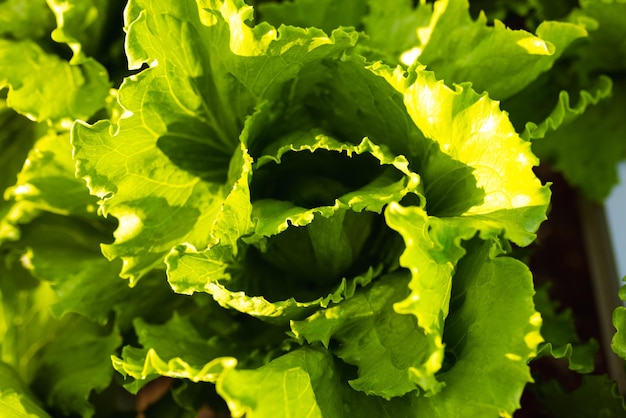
283,214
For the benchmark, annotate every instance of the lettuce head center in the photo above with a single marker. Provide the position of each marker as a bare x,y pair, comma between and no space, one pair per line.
324,251
312,179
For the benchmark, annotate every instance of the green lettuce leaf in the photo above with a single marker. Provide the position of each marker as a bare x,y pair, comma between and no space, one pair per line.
495,59
44,87
478,135
586,164
303,383
327,15
16,139
485,368
393,354
47,180
394,28
65,252
198,113
174,349
15,399
443,36
597,396
618,343
62,360
25,302
315,381
331,237
561,339
75,364
21,19
17,136
80,25
390,350
433,244
605,51
563,111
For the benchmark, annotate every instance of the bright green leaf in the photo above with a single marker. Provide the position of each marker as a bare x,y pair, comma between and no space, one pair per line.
490,335
387,347
495,59
15,399
25,19
173,349
47,180
44,87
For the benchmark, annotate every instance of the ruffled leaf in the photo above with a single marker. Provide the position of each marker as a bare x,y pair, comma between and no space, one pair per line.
390,350
207,71
597,396
221,270
64,359
495,59
327,15
48,181
15,399
490,335
69,380
20,19
79,25
561,340
44,87
588,149
302,383
618,343
174,349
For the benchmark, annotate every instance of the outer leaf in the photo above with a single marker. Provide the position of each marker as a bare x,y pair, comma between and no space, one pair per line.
21,19
302,383
76,363
597,396
80,24
289,383
512,202
590,165
394,28
13,214
327,15
174,349
194,99
560,334
15,400
494,58
25,320
433,249
490,335
430,285
44,87
64,251
471,129
63,360
390,350
563,112
618,343
17,136
48,181
606,49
